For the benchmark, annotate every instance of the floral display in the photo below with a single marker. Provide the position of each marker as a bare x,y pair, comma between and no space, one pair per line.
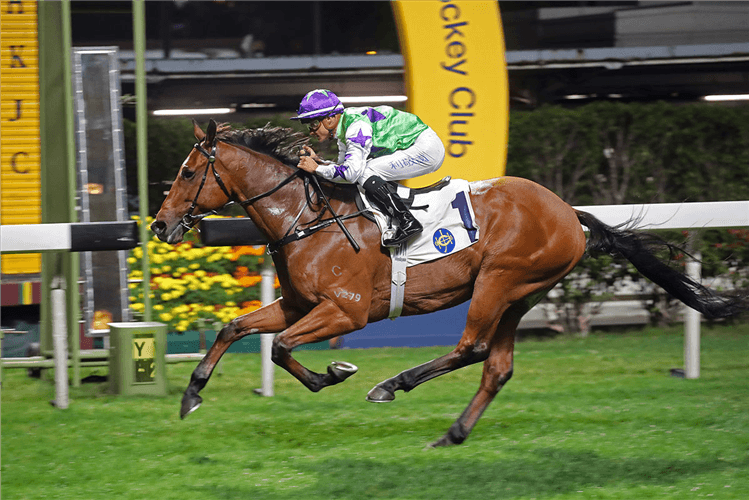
191,283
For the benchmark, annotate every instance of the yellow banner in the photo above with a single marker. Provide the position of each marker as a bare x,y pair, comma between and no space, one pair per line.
20,158
456,76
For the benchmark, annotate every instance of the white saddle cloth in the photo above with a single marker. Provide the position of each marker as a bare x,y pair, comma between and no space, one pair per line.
447,217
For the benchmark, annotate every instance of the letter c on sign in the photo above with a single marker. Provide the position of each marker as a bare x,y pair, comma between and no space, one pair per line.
461,90
445,8
13,163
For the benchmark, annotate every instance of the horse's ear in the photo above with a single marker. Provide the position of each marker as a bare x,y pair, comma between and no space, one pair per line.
211,132
199,134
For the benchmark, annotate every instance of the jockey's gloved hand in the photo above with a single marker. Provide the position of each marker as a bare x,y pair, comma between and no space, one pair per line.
308,151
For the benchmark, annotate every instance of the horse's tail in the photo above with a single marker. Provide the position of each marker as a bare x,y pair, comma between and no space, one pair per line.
638,249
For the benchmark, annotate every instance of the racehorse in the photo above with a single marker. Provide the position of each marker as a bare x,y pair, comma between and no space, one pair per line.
530,239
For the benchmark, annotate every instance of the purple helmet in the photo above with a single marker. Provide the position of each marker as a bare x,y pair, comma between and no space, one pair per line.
318,103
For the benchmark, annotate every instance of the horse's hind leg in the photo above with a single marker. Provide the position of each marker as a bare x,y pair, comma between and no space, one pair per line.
269,319
497,371
474,346
465,353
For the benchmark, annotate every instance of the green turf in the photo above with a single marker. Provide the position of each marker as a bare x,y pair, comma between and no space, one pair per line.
581,418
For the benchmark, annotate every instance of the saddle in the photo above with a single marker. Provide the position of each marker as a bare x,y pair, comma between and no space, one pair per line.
407,200
444,210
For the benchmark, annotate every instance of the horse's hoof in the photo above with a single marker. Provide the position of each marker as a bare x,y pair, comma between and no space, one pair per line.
441,442
380,395
342,370
189,405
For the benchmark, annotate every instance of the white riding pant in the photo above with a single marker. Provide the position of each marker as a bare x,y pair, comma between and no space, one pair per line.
423,157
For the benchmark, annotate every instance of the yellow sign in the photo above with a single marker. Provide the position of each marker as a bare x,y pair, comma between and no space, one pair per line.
144,348
20,156
144,354
456,75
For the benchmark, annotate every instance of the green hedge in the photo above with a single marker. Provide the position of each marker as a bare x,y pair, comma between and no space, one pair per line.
612,153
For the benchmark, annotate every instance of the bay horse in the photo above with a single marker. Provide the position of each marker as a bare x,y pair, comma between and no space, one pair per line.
530,239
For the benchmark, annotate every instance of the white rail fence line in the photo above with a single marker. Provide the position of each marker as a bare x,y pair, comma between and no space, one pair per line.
61,237
115,236
98,236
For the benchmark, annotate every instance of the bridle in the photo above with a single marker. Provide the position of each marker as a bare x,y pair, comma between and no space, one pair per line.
189,220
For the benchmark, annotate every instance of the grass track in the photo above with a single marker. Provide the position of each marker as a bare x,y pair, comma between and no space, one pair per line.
581,418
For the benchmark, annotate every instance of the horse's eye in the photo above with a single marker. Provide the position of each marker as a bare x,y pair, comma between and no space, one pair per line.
187,174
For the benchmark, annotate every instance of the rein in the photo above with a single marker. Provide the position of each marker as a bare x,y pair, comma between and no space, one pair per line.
189,221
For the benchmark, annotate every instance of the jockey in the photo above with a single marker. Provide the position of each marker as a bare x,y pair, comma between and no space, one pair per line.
375,145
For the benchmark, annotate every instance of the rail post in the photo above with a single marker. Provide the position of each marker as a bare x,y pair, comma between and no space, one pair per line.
692,325
60,343
266,339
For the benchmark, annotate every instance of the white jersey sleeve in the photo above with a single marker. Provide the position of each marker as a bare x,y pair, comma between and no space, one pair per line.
352,155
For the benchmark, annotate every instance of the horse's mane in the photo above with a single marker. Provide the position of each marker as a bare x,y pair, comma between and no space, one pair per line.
278,142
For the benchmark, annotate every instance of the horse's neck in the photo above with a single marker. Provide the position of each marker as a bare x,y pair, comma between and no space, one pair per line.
275,213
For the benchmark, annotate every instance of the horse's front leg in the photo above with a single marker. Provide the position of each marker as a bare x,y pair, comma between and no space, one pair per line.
274,317
324,322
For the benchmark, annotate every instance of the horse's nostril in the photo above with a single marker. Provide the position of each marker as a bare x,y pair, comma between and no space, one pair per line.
158,227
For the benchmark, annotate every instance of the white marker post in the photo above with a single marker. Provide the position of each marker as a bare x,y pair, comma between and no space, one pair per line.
266,339
60,346
692,325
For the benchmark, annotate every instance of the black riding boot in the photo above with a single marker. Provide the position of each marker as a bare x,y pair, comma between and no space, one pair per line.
387,200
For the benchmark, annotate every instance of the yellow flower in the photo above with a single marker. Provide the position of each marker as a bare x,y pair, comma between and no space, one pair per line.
166,296
158,307
132,260
166,269
166,317
194,266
